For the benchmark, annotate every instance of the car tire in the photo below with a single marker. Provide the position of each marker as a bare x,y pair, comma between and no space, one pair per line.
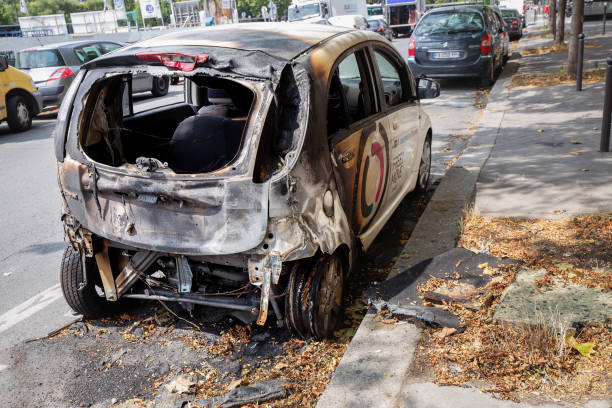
19,113
82,296
489,76
160,86
424,166
313,306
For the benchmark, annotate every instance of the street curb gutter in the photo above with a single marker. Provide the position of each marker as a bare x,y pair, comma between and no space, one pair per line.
371,372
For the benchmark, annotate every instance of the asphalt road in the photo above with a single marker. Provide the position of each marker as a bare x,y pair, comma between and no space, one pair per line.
31,302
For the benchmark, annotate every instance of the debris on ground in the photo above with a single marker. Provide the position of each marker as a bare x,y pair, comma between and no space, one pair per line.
458,275
249,394
512,349
555,78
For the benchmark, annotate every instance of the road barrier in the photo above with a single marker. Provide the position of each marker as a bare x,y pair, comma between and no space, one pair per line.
607,110
580,62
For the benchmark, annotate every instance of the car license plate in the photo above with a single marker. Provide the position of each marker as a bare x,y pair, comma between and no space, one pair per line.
445,54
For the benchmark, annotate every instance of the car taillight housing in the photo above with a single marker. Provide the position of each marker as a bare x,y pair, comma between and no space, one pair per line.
379,29
515,22
354,25
485,44
182,62
411,47
61,73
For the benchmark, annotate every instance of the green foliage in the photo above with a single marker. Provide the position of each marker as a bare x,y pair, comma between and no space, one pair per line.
253,7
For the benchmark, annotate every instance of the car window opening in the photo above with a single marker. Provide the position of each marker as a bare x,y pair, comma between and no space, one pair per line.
198,137
282,121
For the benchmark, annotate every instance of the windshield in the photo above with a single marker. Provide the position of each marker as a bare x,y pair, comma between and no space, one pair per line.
450,22
39,59
507,13
375,11
304,11
374,23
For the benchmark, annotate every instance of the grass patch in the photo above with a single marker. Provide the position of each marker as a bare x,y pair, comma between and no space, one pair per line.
542,360
555,78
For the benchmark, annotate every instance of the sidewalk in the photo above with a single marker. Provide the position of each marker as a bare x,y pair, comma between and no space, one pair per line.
534,154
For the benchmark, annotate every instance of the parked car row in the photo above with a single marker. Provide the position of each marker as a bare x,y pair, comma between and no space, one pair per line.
460,41
50,69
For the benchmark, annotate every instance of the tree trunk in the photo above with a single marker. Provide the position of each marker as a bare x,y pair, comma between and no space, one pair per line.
561,23
577,19
551,13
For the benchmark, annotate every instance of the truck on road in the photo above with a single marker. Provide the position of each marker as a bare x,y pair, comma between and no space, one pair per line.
314,11
402,15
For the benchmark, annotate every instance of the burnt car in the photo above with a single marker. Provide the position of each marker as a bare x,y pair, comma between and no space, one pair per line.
292,147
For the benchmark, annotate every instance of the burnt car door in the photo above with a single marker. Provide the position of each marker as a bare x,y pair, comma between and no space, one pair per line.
358,133
398,96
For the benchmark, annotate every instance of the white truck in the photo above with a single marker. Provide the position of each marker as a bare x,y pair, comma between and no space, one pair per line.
314,11
513,4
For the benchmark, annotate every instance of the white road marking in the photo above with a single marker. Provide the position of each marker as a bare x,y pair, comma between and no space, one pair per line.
30,307
3,367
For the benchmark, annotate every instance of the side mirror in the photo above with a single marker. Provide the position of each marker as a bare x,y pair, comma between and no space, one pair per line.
428,88
3,62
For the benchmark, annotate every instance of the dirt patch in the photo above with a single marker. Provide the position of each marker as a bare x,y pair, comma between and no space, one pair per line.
554,48
555,78
546,359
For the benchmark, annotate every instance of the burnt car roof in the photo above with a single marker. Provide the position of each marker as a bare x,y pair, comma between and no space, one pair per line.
281,40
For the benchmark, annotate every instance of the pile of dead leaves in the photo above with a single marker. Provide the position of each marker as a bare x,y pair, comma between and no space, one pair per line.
306,367
555,78
541,360
575,250
554,48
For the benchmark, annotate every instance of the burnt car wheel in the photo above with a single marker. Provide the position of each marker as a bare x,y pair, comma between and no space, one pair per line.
160,86
83,297
314,301
19,114
425,165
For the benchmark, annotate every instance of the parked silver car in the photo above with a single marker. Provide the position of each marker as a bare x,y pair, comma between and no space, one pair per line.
53,67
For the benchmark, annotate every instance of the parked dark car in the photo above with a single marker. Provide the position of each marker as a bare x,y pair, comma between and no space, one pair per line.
53,68
514,23
457,41
291,148
381,27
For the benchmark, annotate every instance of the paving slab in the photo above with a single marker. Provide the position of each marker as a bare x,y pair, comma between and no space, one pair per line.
546,160
567,303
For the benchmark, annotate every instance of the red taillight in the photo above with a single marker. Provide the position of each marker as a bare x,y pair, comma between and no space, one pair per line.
354,26
515,22
485,44
411,47
379,29
182,62
61,73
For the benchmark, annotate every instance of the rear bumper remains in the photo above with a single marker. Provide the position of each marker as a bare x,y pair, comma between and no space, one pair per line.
449,70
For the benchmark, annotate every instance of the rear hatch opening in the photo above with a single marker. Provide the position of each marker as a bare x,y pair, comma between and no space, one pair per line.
204,134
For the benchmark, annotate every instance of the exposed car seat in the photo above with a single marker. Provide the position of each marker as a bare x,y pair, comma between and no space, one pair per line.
208,140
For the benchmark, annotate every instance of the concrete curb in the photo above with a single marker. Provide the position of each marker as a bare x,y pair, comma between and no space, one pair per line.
371,372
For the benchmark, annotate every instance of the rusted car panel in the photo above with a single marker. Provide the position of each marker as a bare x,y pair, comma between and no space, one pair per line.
285,211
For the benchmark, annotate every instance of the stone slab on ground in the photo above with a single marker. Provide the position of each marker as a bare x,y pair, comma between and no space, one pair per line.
564,302
546,162
460,267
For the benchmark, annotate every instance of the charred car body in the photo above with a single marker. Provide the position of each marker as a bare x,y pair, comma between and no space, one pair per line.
292,148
